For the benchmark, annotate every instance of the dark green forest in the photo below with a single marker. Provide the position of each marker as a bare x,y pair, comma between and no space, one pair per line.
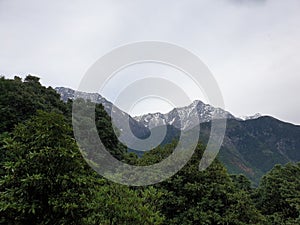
44,178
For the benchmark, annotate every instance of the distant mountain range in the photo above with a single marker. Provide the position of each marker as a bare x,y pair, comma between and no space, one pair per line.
251,146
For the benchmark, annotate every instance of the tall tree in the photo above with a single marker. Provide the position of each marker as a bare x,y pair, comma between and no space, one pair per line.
45,181
278,195
202,197
21,100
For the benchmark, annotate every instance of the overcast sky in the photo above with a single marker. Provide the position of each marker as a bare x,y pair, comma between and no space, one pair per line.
252,47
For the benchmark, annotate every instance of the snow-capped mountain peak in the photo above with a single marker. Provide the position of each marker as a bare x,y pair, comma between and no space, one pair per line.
185,117
253,117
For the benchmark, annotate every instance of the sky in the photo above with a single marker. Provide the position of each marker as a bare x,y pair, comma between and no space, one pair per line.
251,47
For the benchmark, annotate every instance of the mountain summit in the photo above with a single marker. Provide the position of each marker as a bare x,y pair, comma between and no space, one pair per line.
185,118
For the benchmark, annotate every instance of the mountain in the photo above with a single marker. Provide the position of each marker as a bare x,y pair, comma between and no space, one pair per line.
120,118
184,118
251,146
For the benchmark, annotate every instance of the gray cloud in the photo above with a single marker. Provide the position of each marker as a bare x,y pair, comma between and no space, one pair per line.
247,2
254,52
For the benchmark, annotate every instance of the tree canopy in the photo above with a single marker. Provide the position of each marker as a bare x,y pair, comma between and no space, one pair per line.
44,178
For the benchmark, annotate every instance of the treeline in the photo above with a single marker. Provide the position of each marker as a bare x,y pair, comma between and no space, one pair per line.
45,180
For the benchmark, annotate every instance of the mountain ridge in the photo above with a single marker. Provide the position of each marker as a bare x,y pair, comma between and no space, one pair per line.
251,146
119,117
186,117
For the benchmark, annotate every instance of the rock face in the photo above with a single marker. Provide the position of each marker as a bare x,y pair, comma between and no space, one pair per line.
185,118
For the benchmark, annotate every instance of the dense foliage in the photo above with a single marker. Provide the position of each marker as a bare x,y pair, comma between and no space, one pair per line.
278,196
20,100
45,180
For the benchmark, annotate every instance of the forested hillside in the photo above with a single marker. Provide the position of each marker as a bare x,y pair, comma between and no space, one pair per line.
45,180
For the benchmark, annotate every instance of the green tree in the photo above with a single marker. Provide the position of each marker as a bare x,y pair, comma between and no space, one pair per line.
21,100
104,127
241,182
202,197
45,181
118,204
278,195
